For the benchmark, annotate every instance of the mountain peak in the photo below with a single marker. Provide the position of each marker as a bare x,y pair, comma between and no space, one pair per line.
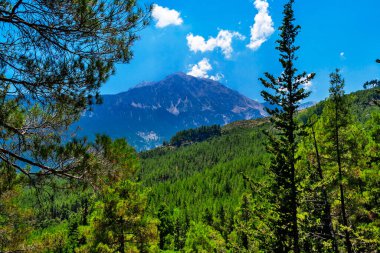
144,84
180,76
177,75
160,109
185,76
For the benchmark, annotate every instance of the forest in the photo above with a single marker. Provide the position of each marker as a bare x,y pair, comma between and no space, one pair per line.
295,181
188,137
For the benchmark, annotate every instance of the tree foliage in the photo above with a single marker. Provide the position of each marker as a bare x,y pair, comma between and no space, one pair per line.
16,222
203,238
118,223
314,189
190,136
54,56
222,184
288,92
371,84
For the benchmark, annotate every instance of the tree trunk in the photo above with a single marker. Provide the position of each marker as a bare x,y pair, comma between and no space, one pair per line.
294,204
327,221
294,213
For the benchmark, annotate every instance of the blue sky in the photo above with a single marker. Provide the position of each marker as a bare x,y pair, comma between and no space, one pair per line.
211,38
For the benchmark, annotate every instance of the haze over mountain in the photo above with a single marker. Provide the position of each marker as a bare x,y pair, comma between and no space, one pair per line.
150,113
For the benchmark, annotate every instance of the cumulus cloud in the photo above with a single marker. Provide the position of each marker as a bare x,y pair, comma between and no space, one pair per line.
201,70
263,27
223,41
166,17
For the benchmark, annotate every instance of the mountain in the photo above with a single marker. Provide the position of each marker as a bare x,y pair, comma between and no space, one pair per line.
152,112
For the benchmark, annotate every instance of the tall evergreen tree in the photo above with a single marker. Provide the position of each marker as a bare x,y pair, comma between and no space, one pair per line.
288,92
339,120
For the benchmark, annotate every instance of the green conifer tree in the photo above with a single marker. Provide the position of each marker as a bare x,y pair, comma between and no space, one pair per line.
203,238
340,119
16,222
316,223
288,93
119,222
165,227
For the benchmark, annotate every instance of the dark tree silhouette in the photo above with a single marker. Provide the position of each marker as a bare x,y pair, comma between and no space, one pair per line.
287,94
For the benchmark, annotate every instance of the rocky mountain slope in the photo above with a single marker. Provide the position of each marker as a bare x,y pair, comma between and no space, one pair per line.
152,112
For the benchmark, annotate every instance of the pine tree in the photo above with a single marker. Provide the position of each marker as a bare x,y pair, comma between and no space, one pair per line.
327,225
368,224
204,238
338,118
55,55
243,225
16,222
165,227
253,224
317,224
119,222
288,93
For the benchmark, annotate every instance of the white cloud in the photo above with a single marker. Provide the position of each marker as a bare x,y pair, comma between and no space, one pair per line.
309,84
223,41
263,27
217,77
166,17
201,70
342,55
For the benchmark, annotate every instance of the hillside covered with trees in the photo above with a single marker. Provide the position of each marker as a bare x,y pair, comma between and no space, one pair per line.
296,181
228,174
212,195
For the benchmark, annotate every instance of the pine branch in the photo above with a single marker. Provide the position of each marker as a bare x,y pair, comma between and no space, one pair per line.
39,165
